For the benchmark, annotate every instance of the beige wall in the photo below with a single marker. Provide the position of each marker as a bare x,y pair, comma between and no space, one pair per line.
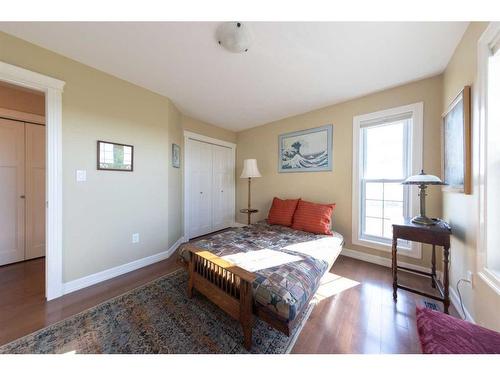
209,130
336,186
462,210
100,215
21,99
175,178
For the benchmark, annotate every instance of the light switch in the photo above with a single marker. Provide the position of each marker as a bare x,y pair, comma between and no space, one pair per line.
81,175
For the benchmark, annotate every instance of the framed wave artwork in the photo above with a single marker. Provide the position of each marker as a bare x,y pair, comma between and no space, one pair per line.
306,151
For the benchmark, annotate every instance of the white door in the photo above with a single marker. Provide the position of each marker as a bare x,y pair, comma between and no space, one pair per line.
11,191
35,191
223,191
200,188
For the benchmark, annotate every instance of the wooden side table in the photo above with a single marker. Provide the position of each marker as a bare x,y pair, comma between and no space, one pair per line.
249,212
435,235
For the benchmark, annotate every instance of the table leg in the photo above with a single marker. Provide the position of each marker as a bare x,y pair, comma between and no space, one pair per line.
394,268
446,280
433,266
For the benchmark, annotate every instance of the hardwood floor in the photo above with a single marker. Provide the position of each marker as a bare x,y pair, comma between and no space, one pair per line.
356,314
363,318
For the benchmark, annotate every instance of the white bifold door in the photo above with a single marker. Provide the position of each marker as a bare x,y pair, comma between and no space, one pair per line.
210,187
22,191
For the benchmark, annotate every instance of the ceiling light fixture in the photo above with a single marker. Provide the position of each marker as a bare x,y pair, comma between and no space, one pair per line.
236,37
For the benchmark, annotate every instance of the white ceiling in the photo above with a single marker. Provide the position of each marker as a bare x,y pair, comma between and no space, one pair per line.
291,68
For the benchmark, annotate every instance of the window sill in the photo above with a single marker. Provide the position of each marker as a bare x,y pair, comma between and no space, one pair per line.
407,251
491,278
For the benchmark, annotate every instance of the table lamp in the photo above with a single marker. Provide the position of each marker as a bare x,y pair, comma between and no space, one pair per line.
422,180
250,170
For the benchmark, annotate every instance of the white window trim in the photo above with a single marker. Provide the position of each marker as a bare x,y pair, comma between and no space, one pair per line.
417,110
491,34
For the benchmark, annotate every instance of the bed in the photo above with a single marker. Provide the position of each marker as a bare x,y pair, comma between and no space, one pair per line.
270,271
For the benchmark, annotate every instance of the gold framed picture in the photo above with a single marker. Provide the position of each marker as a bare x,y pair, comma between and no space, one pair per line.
456,147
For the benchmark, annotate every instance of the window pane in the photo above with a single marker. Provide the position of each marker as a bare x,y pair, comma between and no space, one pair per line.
393,211
374,208
373,226
492,219
374,190
387,229
384,153
393,191
385,159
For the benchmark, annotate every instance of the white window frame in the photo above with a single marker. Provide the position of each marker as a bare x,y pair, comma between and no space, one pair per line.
414,250
490,35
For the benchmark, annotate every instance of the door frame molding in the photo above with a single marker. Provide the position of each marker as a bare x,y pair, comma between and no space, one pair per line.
52,88
32,118
201,138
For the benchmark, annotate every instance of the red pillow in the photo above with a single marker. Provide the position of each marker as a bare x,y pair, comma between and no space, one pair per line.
313,217
282,211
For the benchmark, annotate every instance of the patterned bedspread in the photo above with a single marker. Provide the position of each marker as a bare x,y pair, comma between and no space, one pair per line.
298,261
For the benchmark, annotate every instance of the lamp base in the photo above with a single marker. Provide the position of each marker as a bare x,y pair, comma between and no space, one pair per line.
423,220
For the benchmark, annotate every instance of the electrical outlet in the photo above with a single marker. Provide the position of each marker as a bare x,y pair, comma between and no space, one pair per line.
135,238
470,277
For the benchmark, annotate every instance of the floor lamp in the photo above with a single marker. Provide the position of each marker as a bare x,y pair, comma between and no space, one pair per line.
250,170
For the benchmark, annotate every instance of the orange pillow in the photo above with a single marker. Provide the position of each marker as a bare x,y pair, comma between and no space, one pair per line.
282,211
313,217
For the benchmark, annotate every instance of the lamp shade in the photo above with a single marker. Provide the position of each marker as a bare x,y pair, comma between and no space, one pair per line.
423,179
250,169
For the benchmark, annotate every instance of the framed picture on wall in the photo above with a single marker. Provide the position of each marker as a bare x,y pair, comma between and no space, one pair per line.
306,150
176,156
456,137
115,156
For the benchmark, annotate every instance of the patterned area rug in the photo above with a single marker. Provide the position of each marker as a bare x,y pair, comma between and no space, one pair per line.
155,318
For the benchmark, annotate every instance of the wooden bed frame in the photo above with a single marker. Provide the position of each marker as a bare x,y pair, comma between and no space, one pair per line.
230,288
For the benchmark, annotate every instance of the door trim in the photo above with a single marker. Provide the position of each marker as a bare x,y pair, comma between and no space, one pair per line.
52,88
32,118
202,138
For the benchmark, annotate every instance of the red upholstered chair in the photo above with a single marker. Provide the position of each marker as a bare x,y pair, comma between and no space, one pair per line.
444,334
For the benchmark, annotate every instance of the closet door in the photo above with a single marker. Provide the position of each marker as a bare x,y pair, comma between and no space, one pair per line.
200,188
11,191
223,190
35,191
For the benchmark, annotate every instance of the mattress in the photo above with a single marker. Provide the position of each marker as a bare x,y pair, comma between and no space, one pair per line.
288,263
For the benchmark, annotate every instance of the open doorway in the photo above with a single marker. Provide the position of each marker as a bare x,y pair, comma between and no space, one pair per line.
22,191
52,89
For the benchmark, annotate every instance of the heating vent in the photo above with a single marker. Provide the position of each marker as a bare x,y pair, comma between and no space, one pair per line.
431,305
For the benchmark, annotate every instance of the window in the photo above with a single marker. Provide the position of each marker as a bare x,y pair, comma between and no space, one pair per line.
488,94
493,161
384,166
387,149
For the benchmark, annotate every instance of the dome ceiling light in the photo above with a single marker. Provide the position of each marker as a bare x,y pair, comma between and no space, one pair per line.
234,36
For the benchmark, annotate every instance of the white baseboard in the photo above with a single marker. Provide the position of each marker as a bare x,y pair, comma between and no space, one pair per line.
387,262
238,225
382,261
83,282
